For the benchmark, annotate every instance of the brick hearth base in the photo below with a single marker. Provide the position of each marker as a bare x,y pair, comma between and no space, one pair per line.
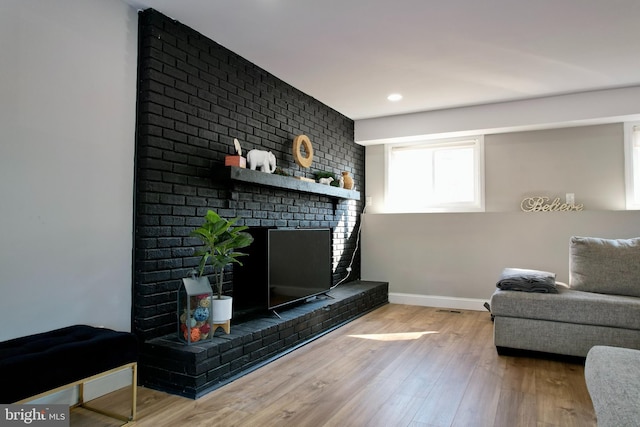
169,365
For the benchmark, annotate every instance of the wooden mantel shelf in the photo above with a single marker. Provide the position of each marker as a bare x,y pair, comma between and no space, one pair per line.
287,182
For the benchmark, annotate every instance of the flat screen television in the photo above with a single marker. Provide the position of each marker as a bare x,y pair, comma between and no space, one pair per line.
283,266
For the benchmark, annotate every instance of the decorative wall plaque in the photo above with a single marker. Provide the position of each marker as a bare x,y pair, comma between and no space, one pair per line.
544,204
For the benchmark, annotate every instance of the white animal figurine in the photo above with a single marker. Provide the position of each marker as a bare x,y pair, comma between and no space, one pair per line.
265,160
341,182
326,181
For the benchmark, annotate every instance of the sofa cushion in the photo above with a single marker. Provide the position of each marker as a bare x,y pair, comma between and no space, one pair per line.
569,306
607,266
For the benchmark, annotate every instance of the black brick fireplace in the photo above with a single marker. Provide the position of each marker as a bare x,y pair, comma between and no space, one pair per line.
193,371
194,98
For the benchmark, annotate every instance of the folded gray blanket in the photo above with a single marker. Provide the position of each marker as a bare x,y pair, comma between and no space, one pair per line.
520,279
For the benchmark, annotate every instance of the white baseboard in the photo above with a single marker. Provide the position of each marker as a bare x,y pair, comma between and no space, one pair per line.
437,301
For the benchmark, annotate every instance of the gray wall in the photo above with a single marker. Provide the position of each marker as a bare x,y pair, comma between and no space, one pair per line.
67,126
461,255
587,161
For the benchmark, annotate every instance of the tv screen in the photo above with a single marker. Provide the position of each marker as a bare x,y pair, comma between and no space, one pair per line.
299,264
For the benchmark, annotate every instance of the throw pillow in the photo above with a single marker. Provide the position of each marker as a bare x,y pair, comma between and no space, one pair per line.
606,266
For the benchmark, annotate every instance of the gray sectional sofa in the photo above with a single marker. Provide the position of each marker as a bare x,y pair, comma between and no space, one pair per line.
596,316
600,305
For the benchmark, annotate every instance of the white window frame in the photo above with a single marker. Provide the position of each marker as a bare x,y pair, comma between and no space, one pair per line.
632,164
478,205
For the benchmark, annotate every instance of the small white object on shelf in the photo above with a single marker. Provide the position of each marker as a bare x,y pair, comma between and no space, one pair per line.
236,144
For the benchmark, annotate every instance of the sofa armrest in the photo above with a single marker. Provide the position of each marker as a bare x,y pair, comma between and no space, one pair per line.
613,380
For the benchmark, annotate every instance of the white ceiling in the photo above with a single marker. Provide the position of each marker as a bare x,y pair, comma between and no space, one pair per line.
351,54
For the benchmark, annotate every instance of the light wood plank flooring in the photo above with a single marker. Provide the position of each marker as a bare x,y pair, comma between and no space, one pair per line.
399,365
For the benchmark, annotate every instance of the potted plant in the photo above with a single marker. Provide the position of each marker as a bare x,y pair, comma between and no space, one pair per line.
221,239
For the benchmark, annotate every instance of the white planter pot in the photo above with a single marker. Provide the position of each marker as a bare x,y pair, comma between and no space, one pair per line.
221,309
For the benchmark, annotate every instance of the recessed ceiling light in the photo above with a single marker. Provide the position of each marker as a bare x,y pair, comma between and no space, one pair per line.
394,97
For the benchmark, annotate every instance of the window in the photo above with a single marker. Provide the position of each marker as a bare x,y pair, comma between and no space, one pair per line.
435,176
632,164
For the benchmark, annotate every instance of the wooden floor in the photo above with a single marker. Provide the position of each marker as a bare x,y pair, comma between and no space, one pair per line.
399,365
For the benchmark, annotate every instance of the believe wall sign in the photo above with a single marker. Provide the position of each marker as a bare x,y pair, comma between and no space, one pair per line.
541,204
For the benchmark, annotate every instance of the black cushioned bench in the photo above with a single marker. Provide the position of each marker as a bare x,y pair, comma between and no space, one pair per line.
37,365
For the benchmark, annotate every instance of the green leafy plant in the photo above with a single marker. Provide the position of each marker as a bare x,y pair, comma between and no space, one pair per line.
221,239
280,171
325,174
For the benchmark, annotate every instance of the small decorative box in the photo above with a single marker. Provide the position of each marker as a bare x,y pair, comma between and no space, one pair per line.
235,161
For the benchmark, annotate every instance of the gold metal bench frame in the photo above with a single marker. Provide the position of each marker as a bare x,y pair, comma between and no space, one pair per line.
81,403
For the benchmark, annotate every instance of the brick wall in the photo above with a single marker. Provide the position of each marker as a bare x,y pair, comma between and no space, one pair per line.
194,98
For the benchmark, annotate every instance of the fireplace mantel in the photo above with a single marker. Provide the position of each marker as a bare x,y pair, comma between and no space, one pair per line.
255,177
